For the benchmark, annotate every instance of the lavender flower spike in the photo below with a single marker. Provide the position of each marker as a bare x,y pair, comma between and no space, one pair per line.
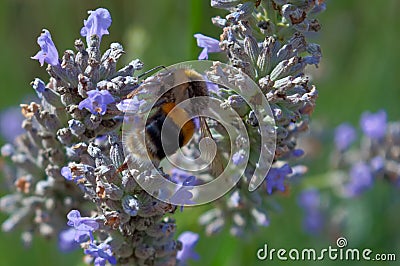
209,45
48,52
97,23
97,101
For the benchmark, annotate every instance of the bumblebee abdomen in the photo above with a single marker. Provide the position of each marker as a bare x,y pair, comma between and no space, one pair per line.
177,128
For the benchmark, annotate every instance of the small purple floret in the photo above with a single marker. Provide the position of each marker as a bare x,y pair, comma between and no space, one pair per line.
48,52
97,23
374,124
97,101
209,45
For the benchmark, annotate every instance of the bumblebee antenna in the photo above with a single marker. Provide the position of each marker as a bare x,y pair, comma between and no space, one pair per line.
150,70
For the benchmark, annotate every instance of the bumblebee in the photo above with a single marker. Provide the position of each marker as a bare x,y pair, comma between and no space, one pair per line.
173,123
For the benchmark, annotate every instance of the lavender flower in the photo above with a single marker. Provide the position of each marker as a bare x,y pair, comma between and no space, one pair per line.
101,254
84,226
374,158
10,123
276,177
310,201
374,125
97,23
97,101
361,179
182,195
48,52
67,173
189,241
208,44
66,240
345,135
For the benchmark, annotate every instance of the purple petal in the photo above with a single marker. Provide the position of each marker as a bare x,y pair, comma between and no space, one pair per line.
48,52
38,85
101,253
66,173
66,240
374,125
276,178
361,179
73,216
209,44
189,241
97,101
97,23
10,123
203,55
86,103
309,199
377,163
106,97
345,135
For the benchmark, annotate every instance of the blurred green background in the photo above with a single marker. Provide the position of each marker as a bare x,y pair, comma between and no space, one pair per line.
359,71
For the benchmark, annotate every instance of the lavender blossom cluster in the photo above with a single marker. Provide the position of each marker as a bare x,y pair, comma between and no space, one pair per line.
377,157
66,164
267,40
358,163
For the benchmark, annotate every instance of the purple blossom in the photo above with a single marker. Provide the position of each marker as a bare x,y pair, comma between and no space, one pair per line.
130,105
101,254
361,179
276,177
39,86
185,183
310,201
181,177
66,173
97,23
189,241
84,226
66,240
209,45
297,153
10,123
74,175
48,52
377,163
313,222
212,87
97,101
345,135
374,125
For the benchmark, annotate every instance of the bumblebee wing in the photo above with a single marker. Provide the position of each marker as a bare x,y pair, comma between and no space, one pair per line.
217,167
